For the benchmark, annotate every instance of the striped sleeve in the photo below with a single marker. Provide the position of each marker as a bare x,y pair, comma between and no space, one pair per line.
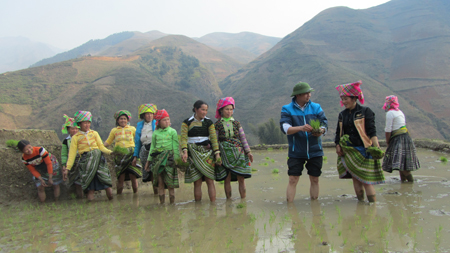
46,157
184,136
213,139
244,140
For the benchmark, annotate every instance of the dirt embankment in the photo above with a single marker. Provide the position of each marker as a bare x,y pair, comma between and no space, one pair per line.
15,180
436,145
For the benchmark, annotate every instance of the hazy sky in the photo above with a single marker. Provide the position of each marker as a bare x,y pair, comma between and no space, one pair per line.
69,23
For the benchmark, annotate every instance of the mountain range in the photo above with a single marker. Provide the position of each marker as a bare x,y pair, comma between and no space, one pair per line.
19,53
400,48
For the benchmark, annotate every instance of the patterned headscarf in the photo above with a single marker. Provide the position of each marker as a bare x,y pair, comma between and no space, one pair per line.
222,103
391,103
70,122
147,108
351,90
122,112
81,116
161,114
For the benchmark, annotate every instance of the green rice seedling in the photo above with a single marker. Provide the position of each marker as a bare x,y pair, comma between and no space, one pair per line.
264,164
254,169
240,205
325,158
269,149
272,160
315,124
12,143
222,182
275,171
443,159
267,158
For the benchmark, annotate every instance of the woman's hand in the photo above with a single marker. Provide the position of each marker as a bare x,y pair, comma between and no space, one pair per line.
250,156
339,150
43,183
184,156
64,174
147,165
50,182
218,161
133,163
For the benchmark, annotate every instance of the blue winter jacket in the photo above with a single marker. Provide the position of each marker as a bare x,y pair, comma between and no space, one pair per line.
302,144
137,137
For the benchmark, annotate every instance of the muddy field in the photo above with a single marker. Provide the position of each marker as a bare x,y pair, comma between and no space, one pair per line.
406,218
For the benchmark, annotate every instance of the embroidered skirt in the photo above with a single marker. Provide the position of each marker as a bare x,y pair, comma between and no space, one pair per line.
201,164
74,174
164,165
123,165
401,154
92,165
356,163
143,155
234,161
42,169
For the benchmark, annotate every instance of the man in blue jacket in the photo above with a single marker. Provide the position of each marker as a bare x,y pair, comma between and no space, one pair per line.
304,147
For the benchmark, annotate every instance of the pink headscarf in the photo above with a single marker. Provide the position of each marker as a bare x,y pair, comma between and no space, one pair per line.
351,90
222,103
391,103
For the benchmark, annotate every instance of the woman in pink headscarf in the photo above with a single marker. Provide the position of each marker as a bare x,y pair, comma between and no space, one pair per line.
233,145
355,133
401,152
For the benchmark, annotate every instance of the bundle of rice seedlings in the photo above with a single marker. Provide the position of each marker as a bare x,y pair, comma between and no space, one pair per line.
119,150
376,152
12,143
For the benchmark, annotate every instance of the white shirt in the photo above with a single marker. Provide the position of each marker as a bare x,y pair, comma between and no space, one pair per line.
394,120
146,133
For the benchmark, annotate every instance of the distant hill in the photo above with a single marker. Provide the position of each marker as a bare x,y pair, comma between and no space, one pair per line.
401,47
254,43
166,73
19,53
114,45
218,63
132,44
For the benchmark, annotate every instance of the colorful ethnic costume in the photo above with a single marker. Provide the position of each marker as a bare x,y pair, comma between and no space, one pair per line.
124,138
93,167
401,152
353,133
163,154
200,139
143,138
232,143
74,174
41,164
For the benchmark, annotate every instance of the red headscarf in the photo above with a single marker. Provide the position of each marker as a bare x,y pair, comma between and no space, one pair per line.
161,114
222,103
391,103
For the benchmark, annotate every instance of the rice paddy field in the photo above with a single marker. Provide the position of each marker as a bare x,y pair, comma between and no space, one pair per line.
406,218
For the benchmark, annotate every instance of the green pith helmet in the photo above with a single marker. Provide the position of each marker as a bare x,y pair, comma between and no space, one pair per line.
301,88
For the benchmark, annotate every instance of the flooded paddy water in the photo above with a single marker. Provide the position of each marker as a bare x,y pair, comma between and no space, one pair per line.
406,218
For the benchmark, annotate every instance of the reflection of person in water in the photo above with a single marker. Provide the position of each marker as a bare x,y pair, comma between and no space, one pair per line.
317,235
363,229
404,206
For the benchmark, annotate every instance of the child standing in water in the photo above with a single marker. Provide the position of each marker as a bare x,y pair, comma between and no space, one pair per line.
43,166
94,172
123,135
70,128
164,151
